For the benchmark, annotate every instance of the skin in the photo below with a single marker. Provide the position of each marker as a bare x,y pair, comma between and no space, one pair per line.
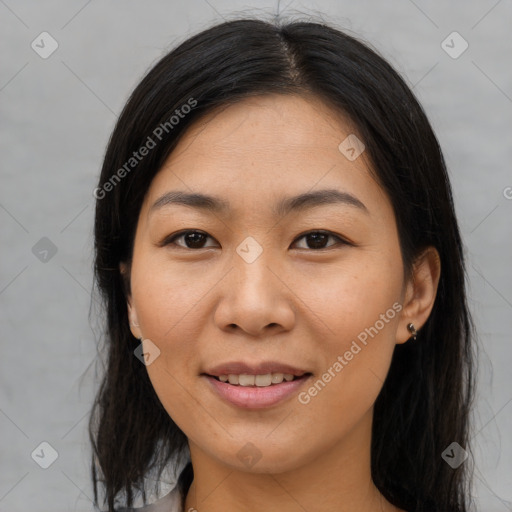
295,304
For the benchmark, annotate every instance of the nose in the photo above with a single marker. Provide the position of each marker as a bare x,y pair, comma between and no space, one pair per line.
255,300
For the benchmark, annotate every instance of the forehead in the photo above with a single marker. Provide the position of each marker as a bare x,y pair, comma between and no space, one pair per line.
264,147
265,124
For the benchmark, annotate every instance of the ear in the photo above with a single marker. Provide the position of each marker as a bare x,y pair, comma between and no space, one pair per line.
132,312
420,293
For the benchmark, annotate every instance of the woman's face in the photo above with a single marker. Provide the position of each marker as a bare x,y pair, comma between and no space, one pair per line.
254,289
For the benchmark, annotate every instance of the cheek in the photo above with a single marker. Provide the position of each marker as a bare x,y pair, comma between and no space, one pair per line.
167,298
350,298
168,314
168,305
359,306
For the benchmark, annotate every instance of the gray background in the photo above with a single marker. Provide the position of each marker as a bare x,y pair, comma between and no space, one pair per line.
56,117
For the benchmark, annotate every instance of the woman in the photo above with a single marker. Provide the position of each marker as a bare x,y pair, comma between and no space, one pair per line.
283,275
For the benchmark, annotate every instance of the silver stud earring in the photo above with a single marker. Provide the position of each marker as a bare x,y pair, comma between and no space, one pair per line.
413,331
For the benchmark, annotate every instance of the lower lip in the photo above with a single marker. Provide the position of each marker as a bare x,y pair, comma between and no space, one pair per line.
254,397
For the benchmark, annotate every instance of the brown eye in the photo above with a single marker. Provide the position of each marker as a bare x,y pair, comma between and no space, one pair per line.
192,239
318,240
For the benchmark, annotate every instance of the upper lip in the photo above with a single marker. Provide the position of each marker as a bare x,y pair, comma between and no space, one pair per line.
262,368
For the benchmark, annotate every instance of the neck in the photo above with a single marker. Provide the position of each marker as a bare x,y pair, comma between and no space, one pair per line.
337,480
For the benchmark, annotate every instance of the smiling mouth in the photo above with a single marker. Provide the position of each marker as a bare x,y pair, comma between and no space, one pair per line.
255,381
256,390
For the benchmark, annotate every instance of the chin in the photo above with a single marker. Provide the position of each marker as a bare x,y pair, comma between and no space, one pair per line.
252,458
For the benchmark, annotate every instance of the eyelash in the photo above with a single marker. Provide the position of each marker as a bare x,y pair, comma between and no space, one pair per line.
170,240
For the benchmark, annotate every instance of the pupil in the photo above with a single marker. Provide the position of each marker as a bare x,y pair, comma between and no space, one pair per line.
318,239
194,239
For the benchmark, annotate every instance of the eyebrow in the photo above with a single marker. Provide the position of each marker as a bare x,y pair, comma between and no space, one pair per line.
295,203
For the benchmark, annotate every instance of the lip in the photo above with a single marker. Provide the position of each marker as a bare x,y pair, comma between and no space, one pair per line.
240,367
254,397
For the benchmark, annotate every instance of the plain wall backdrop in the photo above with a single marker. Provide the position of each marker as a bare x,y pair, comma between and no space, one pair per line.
57,113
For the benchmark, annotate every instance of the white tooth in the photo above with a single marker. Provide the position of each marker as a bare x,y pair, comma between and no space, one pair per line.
263,380
288,377
277,378
233,379
246,380
223,378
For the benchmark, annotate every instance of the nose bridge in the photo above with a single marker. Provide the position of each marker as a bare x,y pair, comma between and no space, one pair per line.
254,280
254,298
